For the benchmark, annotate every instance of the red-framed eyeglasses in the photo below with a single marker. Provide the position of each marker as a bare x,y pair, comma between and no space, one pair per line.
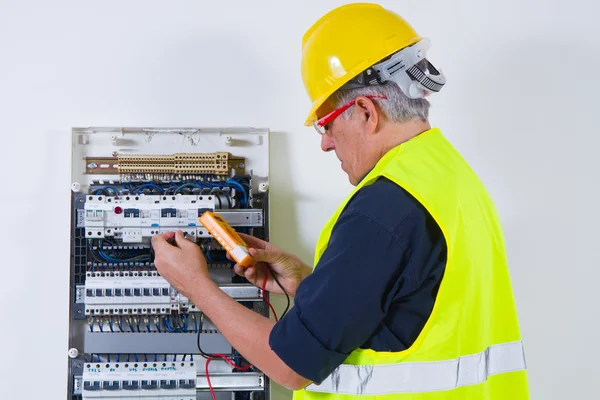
322,124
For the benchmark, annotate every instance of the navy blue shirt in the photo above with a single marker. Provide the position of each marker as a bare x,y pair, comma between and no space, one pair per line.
374,286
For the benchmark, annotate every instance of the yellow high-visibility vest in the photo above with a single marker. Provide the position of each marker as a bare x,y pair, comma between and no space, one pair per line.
470,348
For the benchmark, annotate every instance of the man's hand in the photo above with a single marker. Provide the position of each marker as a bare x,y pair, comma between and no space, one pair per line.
290,271
182,263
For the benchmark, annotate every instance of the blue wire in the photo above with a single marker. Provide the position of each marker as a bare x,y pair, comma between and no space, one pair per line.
155,358
114,260
185,323
107,187
175,357
135,358
167,325
150,185
210,184
239,185
118,357
183,359
187,184
210,260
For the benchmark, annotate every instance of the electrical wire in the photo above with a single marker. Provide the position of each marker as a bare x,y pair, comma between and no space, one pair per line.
239,185
218,196
228,361
114,189
151,186
227,198
264,285
186,185
138,258
287,296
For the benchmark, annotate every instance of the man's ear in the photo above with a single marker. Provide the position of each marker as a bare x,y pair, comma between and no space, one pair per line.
369,114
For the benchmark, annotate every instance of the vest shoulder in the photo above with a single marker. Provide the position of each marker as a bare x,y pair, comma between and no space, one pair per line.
385,202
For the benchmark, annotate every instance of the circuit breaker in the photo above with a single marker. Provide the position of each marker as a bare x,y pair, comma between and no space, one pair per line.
133,336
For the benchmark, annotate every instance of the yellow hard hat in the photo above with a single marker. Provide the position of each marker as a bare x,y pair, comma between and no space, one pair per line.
345,42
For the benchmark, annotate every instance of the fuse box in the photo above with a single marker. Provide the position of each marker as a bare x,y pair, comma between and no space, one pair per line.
133,336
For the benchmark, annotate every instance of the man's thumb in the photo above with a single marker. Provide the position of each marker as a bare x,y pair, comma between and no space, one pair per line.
181,241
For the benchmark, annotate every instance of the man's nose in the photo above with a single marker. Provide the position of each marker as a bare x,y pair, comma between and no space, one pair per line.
326,143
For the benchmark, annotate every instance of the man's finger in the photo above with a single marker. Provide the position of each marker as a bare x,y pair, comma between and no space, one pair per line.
265,255
182,241
250,273
160,240
241,271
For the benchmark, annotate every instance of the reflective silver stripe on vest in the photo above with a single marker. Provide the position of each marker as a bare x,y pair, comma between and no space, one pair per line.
415,377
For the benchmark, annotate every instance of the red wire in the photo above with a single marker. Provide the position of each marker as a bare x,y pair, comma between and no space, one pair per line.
228,361
263,289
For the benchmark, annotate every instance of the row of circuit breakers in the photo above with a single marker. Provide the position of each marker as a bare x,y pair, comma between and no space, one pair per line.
132,336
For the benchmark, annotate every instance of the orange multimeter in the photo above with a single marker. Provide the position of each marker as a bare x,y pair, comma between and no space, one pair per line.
227,237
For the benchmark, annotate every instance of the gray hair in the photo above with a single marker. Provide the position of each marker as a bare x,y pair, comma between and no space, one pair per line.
397,108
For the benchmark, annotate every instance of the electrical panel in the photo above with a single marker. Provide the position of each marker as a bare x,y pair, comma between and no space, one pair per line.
133,336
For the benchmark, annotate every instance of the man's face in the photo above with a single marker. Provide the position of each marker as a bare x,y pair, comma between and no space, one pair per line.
351,145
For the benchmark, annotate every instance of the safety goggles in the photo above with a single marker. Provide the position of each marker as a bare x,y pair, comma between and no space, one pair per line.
322,125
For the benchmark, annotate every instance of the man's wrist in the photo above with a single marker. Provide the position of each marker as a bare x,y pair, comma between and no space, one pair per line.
200,289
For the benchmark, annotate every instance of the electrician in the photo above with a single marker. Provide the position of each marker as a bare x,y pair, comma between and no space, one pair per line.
410,296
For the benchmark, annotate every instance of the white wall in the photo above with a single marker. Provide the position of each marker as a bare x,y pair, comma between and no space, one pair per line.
519,105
